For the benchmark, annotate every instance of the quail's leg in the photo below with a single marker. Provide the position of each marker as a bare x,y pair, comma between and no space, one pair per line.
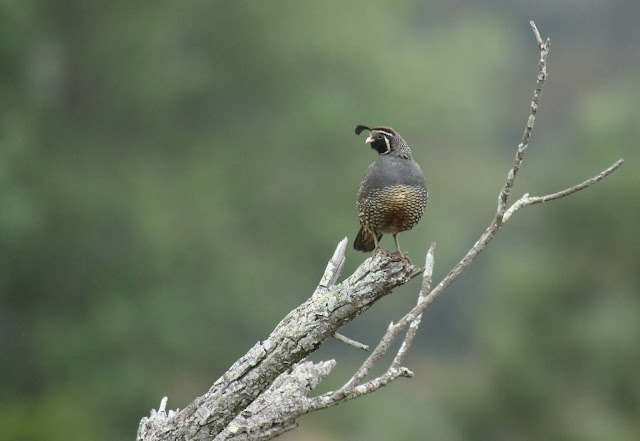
403,256
377,248
395,239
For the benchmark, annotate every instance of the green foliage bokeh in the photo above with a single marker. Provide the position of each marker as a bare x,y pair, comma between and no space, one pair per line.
174,177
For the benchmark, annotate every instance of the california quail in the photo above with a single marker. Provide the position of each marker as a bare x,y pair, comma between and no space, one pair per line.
393,193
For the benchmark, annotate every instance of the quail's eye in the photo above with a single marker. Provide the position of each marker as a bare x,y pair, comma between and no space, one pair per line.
379,136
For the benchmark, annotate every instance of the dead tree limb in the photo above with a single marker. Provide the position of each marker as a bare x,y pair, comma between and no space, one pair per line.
295,337
266,390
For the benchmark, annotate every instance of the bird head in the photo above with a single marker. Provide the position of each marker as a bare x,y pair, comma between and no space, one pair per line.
385,141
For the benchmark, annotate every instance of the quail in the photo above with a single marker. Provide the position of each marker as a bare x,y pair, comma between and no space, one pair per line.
393,193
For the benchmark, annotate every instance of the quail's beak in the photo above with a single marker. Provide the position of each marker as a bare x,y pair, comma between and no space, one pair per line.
369,140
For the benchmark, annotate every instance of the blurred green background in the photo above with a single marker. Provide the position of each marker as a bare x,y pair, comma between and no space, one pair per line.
175,175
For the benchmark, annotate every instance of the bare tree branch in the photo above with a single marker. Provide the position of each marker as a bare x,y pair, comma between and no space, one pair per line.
286,418
536,34
276,410
296,336
389,337
527,200
334,267
351,342
535,102
352,389
330,277
427,276
247,404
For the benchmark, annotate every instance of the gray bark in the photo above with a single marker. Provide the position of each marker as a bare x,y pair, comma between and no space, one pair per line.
296,336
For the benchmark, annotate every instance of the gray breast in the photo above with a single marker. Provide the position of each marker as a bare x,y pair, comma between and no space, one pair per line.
391,170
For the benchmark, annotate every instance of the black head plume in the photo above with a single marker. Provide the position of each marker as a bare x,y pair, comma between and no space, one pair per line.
361,128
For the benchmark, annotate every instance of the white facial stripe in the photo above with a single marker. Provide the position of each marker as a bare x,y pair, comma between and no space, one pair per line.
388,145
384,133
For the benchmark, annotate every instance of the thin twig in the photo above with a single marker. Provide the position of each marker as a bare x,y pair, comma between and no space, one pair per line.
603,174
537,34
363,370
350,342
527,200
415,323
330,399
526,136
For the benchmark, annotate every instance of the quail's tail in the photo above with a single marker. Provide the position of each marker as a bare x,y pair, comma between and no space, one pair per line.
364,241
